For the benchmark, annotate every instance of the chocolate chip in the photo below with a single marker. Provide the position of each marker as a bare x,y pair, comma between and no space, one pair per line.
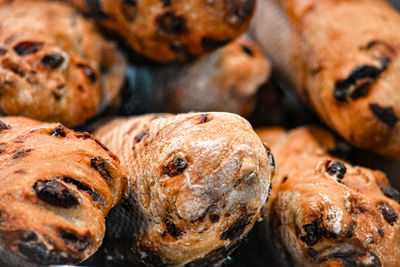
56,193
388,213
247,50
381,233
129,9
21,153
140,137
237,229
4,126
52,60
3,51
88,71
27,47
166,3
58,132
95,9
214,218
385,115
359,81
172,229
210,44
390,192
175,168
239,10
336,169
74,242
170,23
203,118
81,187
99,165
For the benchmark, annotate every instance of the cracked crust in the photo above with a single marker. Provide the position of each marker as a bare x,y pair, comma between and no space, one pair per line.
344,66
172,30
199,179
325,212
66,73
53,197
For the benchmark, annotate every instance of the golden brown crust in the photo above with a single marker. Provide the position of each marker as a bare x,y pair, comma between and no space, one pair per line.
172,30
65,73
56,188
200,181
344,66
325,212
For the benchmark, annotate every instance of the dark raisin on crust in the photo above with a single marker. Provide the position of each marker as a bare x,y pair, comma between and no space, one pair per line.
56,193
75,242
214,218
21,153
52,60
170,23
4,126
390,192
129,9
172,229
140,137
384,114
27,47
3,51
388,213
358,83
88,71
381,233
247,50
175,167
239,10
336,169
237,229
99,165
95,9
81,187
83,135
210,44
58,132
315,233
203,118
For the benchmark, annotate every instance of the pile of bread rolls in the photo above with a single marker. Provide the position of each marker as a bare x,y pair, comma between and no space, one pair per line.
161,165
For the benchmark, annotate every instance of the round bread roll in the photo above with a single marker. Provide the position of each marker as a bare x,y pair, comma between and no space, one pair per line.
344,65
54,65
325,212
56,187
172,30
198,184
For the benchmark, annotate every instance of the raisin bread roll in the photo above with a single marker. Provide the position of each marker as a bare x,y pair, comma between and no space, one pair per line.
56,187
54,65
324,211
345,66
172,30
224,80
198,183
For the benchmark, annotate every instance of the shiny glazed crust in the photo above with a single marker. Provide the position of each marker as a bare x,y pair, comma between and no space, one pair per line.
199,181
325,212
54,65
166,30
56,187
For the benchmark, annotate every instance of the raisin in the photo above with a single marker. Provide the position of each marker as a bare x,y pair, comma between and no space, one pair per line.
3,51
170,23
172,229
390,192
239,9
99,165
175,168
336,169
214,218
58,132
74,242
129,9
381,233
350,231
27,47
313,233
388,213
210,44
140,137
81,187
21,153
4,126
52,60
247,50
88,72
237,229
56,193
203,118
95,9
385,115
